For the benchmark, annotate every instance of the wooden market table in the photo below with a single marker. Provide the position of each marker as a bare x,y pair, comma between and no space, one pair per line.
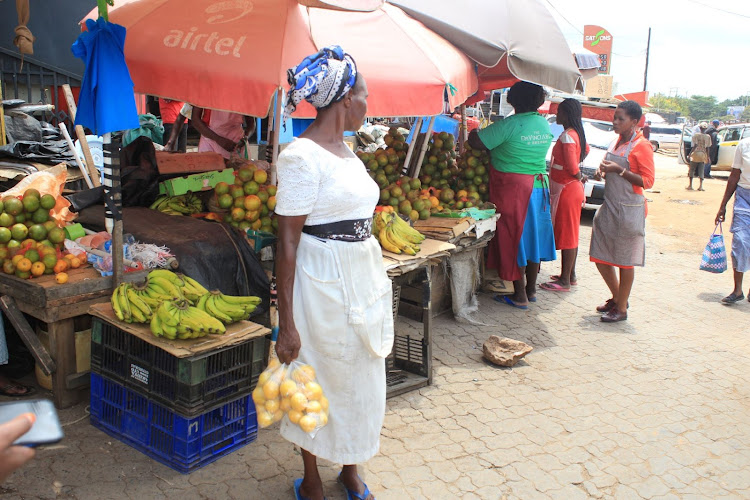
57,306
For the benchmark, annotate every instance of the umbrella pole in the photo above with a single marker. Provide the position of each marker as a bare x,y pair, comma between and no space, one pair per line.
277,124
113,205
407,160
462,131
425,144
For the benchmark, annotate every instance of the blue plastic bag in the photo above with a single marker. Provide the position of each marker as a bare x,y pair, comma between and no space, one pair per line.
714,258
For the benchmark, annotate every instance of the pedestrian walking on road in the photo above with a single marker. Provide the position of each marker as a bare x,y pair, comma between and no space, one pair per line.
699,156
739,186
519,187
618,235
713,151
335,310
566,191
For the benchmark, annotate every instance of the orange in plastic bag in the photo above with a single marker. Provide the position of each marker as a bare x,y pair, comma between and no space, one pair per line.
50,181
290,390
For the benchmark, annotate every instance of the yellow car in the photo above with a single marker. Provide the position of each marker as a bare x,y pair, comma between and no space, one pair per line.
729,137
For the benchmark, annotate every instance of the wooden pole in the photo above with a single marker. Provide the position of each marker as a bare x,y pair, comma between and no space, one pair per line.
2,119
463,135
648,50
277,123
407,161
81,135
425,144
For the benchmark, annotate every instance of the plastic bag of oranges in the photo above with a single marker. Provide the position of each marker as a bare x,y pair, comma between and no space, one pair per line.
290,390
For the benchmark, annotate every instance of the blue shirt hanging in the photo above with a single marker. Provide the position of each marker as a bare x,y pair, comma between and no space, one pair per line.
106,102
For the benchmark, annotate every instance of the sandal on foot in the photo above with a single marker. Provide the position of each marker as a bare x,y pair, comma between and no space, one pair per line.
553,287
732,298
7,390
608,306
613,316
532,299
503,299
556,277
353,495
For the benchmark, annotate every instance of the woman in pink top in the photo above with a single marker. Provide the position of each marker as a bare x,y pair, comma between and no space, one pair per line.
221,131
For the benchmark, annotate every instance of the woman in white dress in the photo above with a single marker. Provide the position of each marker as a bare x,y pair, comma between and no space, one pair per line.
334,296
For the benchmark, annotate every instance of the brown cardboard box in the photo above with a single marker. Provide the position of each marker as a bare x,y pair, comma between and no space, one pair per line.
188,163
599,87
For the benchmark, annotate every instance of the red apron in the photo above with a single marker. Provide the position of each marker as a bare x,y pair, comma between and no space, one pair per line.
511,194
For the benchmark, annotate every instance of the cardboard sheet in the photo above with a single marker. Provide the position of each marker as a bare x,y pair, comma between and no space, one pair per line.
236,333
188,163
429,249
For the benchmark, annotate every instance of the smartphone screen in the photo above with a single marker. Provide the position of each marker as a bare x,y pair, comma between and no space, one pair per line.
46,429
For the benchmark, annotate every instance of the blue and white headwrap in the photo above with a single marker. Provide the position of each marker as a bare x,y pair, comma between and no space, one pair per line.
321,79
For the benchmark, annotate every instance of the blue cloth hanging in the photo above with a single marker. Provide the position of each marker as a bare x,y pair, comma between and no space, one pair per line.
106,102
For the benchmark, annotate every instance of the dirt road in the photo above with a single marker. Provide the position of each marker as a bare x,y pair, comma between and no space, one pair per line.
686,215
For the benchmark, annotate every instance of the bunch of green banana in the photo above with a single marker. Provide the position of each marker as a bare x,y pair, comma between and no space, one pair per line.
396,235
185,204
130,305
164,285
177,319
226,308
191,289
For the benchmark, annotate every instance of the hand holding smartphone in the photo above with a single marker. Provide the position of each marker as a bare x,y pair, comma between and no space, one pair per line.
45,428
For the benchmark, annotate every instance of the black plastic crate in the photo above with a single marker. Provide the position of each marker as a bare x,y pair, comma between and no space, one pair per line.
409,366
188,385
182,443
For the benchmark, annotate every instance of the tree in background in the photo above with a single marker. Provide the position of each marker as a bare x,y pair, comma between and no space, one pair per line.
704,107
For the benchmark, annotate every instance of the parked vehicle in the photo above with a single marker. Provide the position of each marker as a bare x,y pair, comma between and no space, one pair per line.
729,137
599,135
665,136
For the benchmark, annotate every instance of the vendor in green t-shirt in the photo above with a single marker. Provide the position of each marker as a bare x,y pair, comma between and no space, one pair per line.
519,188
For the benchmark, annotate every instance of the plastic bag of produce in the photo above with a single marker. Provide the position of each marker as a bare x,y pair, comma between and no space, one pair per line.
291,390
50,181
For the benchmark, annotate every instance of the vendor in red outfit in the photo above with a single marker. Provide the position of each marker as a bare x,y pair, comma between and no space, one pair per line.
566,191
618,235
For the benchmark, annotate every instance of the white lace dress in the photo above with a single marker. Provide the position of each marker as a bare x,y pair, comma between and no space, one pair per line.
342,300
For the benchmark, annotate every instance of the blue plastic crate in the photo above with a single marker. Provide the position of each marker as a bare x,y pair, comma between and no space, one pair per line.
184,444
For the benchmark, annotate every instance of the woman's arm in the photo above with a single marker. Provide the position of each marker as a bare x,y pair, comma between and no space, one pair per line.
734,179
174,135
290,230
205,131
475,142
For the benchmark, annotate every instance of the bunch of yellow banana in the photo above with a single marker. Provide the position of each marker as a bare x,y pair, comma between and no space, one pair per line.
191,289
396,235
226,308
130,305
177,319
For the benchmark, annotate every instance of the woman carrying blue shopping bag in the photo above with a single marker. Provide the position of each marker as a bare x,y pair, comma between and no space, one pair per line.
739,186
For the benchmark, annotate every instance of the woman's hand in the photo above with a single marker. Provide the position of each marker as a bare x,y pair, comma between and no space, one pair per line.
227,144
721,215
288,345
607,166
13,457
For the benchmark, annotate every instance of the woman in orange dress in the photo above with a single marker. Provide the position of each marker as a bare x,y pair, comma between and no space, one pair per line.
618,235
566,192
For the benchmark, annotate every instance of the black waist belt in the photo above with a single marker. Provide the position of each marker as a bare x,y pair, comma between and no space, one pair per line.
345,230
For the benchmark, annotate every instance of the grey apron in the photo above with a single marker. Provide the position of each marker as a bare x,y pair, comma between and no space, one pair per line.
618,235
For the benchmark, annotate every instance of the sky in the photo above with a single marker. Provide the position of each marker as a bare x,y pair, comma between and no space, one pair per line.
696,48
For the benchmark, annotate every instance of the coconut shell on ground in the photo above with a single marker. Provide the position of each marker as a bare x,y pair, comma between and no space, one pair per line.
503,351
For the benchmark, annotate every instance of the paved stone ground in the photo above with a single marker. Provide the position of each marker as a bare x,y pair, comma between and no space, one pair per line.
656,407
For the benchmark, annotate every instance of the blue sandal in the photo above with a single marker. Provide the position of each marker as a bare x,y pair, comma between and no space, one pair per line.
353,495
503,299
